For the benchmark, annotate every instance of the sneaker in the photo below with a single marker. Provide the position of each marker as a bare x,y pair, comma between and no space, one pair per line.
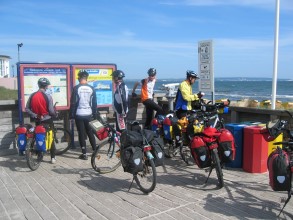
83,157
53,160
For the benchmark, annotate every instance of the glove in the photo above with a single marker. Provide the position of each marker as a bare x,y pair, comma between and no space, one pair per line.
200,95
134,95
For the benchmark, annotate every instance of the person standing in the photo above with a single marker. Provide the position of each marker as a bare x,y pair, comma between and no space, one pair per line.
40,107
83,109
147,93
120,100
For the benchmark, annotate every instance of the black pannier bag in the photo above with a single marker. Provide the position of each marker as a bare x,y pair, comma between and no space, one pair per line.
279,170
148,135
131,138
158,151
131,159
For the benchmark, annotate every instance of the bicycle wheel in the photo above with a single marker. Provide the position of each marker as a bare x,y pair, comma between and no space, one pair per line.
62,140
185,154
169,148
217,166
147,178
106,157
33,157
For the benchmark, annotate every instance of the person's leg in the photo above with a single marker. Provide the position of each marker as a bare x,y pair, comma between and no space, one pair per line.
90,133
149,114
81,137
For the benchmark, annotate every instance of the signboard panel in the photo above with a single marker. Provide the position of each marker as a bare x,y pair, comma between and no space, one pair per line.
100,77
58,75
206,66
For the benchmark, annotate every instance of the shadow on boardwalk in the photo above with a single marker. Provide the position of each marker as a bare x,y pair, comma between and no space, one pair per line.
71,189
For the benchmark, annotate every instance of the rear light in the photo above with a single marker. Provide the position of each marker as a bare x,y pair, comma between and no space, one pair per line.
30,135
147,148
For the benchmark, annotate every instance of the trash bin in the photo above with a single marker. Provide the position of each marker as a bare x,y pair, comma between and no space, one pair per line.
237,131
255,150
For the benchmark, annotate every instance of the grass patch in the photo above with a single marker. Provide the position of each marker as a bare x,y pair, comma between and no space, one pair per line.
8,94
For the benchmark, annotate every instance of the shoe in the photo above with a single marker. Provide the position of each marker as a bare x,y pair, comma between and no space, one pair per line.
83,157
53,160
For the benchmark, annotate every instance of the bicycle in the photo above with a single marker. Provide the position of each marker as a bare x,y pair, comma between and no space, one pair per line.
274,128
106,156
61,138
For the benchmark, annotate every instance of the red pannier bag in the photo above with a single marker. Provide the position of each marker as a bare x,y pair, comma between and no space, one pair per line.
279,170
210,136
200,152
226,144
102,133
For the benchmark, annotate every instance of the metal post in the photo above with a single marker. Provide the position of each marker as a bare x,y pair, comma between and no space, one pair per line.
275,73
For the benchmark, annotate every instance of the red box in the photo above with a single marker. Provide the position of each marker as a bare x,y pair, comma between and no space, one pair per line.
255,150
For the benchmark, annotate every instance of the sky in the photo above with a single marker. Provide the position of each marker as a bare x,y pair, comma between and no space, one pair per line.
139,34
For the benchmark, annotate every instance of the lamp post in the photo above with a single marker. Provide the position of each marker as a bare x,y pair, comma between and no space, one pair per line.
18,46
12,70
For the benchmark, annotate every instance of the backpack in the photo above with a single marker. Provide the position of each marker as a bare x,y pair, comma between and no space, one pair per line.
279,170
158,151
226,147
131,159
200,152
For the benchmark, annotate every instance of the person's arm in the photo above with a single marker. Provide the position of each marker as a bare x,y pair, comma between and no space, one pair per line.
186,92
94,104
28,109
73,103
134,88
51,109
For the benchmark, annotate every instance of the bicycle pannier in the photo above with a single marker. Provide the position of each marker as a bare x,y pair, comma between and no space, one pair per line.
102,133
158,151
226,148
167,127
131,138
131,159
279,170
21,136
44,137
200,152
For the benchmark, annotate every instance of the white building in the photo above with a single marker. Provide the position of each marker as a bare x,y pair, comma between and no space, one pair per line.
4,66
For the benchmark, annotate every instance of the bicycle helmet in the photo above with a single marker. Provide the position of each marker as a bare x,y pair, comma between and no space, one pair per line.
43,82
152,72
118,73
190,73
83,74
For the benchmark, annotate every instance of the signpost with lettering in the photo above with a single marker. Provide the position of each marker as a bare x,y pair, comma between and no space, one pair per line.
206,67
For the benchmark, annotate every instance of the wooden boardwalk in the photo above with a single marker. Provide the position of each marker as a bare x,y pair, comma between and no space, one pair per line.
71,189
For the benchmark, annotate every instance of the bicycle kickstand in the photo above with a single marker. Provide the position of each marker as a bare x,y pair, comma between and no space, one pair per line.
131,184
211,169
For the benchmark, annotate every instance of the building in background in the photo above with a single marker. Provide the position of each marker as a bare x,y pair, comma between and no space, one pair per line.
4,66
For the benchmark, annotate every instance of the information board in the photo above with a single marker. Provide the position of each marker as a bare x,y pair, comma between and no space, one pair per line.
58,75
206,66
100,77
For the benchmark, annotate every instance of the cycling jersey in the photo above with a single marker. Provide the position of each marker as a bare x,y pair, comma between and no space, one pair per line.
184,96
120,101
147,89
40,104
83,101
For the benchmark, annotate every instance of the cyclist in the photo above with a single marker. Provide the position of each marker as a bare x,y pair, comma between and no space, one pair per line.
147,92
185,95
83,108
184,99
40,107
120,100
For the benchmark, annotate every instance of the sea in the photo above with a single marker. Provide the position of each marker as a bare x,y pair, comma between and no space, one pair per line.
235,88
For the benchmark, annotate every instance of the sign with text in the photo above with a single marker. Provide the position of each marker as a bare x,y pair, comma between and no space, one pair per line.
206,66
100,77
58,75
